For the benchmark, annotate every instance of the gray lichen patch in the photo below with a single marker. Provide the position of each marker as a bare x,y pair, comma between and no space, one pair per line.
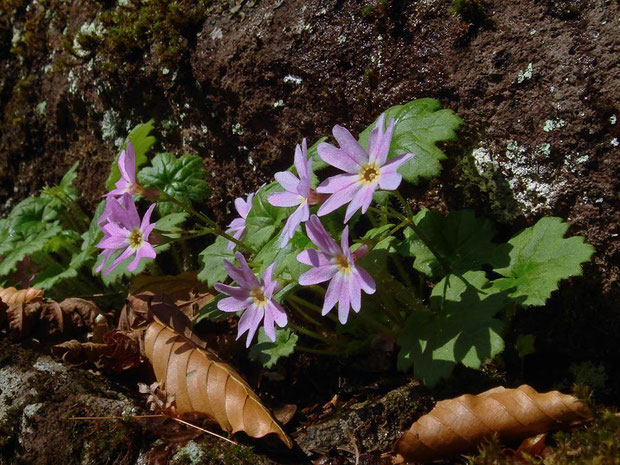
516,182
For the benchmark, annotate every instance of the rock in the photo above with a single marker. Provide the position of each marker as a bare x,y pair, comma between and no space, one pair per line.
38,395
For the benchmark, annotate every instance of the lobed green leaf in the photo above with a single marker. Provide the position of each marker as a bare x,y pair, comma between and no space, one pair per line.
540,257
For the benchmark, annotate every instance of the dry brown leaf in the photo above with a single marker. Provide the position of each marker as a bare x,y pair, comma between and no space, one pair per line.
118,352
180,287
22,318
100,328
458,425
77,353
202,383
11,296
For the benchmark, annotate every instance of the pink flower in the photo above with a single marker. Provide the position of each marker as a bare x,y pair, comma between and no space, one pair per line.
237,226
253,296
296,192
365,170
124,230
335,263
127,167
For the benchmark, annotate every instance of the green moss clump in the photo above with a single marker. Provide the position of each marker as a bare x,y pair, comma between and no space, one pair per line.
566,9
163,29
595,444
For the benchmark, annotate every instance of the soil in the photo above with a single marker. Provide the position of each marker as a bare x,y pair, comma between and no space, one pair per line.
536,81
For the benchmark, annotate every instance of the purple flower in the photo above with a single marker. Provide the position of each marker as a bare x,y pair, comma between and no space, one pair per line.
365,171
237,226
336,263
296,192
127,167
124,230
253,296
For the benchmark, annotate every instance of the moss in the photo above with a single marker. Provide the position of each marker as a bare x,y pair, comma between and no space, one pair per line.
566,9
375,9
128,32
598,443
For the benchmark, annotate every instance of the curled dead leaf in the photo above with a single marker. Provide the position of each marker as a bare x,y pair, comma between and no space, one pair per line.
22,318
458,425
202,383
11,296
118,352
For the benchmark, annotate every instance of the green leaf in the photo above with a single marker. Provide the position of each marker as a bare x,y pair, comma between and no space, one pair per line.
264,219
66,183
168,226
142,141
461,329
212,259
375,233
182,178
32,214
525,345
211,312
420,124
89,239
463,240
52,275
539,258
285,257
268,353
27,245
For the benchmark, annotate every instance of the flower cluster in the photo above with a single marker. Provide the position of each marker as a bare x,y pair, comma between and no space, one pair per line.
127,235
120,222
365,171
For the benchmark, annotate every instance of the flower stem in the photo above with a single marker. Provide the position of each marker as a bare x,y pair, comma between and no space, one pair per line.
337,352
315,335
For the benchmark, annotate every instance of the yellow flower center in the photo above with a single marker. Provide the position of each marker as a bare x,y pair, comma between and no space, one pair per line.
343,264
369,174
129,187
258,296
136,238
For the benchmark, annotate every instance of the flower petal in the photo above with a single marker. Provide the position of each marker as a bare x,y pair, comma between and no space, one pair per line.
292,223
287,180
344,302
362,199
350,145
284,199
390,181
365,280
337,183
333,293
394,163
338,158
313,258
233,304
380,147
339,198
277,312
320,237
233,291
318,275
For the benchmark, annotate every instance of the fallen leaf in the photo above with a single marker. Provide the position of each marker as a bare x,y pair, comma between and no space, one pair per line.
11,296
22,318
459,425
118,352
184,289
285,413
202,383
100,328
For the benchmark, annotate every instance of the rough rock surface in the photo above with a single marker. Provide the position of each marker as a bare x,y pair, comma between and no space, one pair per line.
38,396
240,83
